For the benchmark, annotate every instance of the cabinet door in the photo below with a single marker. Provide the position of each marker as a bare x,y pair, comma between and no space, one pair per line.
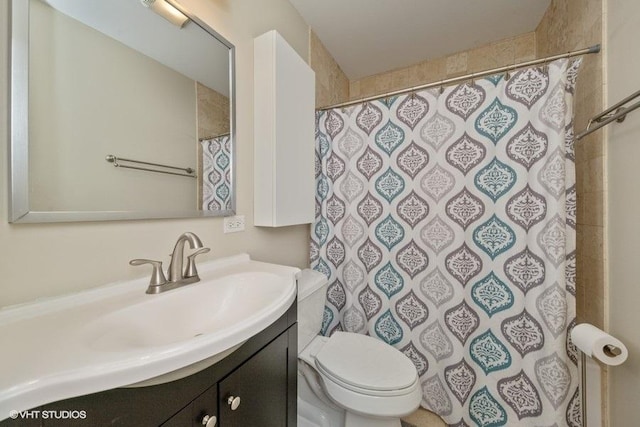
198,412
284,128
204,408
261,385
181,419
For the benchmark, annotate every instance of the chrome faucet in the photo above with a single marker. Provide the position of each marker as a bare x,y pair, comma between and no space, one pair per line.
178,275
177,257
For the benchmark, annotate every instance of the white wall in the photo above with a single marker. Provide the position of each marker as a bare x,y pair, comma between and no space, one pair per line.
623,69
38,260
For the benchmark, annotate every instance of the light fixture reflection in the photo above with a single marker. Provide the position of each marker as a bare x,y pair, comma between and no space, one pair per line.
167,11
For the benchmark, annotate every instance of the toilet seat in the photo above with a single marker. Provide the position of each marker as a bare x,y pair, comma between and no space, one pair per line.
361,364
365,365
364,375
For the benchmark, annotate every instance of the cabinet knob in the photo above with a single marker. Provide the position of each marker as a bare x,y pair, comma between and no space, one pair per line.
209,421
234,402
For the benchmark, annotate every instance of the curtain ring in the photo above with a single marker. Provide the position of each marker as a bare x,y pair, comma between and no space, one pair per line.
507,74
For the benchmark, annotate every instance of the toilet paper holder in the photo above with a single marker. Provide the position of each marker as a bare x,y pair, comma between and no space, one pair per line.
611,350
594,342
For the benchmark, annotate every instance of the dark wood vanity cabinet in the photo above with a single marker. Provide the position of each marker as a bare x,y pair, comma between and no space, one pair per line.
261,373
261,385
258,387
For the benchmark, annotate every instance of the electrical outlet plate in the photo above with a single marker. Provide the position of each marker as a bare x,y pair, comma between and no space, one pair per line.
233,224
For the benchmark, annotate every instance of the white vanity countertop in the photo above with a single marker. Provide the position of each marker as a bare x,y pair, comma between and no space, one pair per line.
106,337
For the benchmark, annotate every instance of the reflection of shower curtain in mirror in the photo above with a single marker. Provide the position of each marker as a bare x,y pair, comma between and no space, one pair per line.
216,173
446,225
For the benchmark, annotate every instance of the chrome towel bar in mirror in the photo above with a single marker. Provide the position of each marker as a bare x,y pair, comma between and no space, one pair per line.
117,162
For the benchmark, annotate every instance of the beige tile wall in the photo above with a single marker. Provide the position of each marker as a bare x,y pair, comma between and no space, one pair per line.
498,54
569,25
213,112
332,85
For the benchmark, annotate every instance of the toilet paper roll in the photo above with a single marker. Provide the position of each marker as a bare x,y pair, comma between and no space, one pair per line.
598,344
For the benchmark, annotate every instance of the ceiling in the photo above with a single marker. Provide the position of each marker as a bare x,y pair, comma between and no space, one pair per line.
368,37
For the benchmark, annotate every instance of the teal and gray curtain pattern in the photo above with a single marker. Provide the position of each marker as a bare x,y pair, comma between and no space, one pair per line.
445,221
216,173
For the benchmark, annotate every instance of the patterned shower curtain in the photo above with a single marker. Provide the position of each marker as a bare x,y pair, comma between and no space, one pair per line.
445,221
216,173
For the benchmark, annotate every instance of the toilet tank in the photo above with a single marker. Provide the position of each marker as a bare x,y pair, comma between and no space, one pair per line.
312,291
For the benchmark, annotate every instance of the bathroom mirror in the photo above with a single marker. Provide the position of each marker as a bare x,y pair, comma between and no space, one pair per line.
118,113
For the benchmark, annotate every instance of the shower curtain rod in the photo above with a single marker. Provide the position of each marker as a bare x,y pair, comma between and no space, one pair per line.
471,76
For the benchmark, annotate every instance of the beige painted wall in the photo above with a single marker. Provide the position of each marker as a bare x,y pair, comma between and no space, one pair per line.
42,260
85,105
623,154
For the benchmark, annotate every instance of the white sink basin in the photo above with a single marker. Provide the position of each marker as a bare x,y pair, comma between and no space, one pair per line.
117,335
223,306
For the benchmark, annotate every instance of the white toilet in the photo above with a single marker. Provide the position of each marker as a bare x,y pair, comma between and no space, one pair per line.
348,379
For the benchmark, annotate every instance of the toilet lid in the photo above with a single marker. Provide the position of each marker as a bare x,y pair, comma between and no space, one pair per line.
365,362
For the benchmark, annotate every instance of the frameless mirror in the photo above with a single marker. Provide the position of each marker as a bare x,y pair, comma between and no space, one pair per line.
119,111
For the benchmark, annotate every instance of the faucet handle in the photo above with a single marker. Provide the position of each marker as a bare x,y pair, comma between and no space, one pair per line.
157,276
191,262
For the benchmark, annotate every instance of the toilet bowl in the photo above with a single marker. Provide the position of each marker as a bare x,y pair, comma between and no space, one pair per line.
370,382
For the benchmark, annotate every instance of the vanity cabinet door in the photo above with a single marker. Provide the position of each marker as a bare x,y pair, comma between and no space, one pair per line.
181,419
202,410
261,386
